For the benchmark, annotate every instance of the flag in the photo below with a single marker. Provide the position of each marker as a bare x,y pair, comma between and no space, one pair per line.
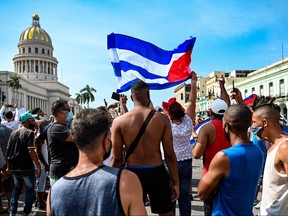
134,59
197,129
250,99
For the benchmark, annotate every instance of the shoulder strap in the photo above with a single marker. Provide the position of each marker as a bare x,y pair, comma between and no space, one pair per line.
139,135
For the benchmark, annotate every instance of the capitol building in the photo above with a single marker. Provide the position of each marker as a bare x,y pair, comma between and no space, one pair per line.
38,71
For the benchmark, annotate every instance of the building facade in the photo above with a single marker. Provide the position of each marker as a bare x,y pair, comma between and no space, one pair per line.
37,67
271,80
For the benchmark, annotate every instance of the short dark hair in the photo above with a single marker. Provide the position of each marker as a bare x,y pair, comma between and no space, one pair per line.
176,111
239,117
57,106
9,114
138,86
88,126
35,110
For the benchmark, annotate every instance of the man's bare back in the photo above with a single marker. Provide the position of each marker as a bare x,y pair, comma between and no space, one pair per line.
126,127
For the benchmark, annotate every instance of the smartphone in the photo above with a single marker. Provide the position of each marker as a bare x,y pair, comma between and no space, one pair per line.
115,96
10,105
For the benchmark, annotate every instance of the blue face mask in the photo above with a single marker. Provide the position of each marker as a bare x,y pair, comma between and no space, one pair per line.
69,118
257,131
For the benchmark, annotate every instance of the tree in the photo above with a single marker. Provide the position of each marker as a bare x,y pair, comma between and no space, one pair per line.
14,84
87,94
79,98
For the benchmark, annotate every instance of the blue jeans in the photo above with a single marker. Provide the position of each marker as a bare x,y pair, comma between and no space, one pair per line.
185,178
28,178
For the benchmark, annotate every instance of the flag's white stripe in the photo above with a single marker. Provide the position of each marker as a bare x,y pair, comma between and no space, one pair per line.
131,74
117,55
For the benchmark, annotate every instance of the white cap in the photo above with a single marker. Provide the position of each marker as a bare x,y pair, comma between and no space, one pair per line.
218,106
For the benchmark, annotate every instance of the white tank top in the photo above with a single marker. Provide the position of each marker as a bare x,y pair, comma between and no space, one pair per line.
275,188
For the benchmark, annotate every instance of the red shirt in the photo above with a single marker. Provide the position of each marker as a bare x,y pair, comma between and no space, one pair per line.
219,144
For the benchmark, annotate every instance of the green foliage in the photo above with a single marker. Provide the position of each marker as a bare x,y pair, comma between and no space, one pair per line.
86,95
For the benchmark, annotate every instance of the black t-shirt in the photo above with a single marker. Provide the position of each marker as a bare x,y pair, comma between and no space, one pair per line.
17,150
63,155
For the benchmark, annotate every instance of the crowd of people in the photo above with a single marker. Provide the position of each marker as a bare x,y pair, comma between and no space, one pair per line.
243,147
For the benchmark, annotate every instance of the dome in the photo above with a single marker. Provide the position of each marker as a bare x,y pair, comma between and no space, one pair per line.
35,33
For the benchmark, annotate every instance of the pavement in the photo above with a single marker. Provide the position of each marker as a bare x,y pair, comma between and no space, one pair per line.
197,204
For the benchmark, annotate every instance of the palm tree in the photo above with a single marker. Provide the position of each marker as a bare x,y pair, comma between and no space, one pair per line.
79,98
14,84
87,94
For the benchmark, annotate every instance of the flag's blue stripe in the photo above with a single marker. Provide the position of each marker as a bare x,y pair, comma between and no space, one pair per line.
202,123
125,66
192,141
152,86
146,49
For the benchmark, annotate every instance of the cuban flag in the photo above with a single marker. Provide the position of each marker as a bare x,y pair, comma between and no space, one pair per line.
250,99
134,59
197,129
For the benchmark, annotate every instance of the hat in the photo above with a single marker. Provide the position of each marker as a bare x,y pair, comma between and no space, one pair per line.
218,106
25,116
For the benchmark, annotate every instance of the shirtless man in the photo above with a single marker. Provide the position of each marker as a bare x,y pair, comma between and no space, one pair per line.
146,160
265,124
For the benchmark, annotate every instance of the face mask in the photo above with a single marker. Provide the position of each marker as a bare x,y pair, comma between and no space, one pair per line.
107,154
257,131
69,118
227,135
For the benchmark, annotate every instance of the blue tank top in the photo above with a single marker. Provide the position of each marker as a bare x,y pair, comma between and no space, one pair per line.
94,193
236,193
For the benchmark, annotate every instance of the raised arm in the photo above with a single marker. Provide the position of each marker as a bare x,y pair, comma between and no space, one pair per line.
192,98
237,96
223,95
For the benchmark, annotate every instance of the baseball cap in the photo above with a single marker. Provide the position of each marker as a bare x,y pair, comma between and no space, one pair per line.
25,116
218,106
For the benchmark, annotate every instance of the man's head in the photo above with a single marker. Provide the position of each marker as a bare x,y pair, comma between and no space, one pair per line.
140,93
60,110
90,130
218,108
28,120
38,111
9,116
265,119
237,120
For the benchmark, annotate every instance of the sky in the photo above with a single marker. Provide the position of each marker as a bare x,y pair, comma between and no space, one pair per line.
230,35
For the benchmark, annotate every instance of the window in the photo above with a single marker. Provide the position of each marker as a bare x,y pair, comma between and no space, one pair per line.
36,68
245,93
43,51
48,53
253,90
36,50
23,50
282,88
271,90
182,96
29,50
261,90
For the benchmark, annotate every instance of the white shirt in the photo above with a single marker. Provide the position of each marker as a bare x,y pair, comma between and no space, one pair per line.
275,188
181,138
